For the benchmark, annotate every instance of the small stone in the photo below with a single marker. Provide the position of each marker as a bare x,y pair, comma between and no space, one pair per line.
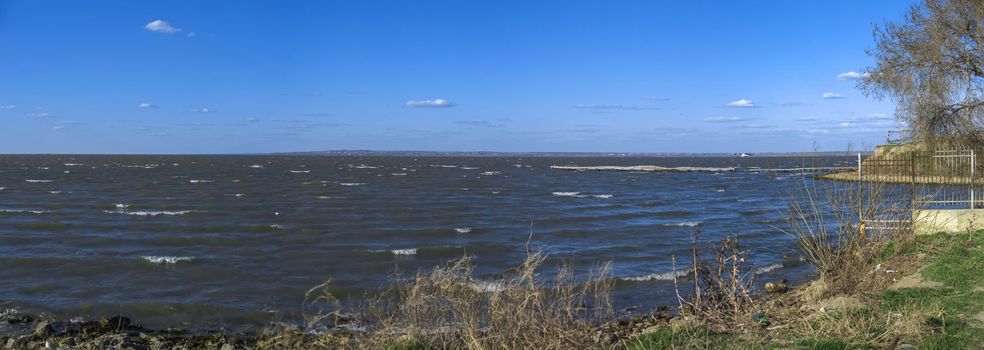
11,343
44,329
227,347
775,287
906,347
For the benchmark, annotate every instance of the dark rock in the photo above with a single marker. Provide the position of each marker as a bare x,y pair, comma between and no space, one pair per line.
19,319
116,323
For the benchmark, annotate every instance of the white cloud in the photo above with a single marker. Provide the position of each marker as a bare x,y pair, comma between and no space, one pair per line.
605,106
251,120
852,76
742,103
726,119
39,115
753,126
7,106
204,110
831,95
659,98
191,34
430,103
483,123
161,26
881,116
148,105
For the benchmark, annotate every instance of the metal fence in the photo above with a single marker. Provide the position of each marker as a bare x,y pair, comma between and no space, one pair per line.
895,185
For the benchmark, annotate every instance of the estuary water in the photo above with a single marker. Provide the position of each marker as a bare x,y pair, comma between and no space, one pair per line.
228,241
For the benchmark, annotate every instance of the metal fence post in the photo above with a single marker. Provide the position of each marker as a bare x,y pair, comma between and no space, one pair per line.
973,164
860,193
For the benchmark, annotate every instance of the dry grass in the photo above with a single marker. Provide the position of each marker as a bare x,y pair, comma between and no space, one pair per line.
447,308
842,228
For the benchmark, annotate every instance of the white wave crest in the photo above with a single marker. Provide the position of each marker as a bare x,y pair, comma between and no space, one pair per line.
36,181
463,229
148,212
399,174
351,183
23,211
443,166
660,276
200,181
408,251
566,194
685,224
167,259
299,171
256,166
491,173
767,268
486,286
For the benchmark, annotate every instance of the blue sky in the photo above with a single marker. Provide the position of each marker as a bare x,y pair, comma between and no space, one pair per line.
268,76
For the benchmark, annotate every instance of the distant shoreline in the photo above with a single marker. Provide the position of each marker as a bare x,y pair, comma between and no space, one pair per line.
367,153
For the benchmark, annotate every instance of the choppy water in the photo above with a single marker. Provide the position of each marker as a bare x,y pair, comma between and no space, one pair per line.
233,240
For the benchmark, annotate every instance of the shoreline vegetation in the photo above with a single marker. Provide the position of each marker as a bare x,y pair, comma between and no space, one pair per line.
904,292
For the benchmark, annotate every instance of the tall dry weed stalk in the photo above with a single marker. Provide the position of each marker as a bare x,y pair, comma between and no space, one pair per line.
721,294
840,227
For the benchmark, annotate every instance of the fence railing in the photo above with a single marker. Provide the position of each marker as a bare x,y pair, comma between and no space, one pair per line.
894,186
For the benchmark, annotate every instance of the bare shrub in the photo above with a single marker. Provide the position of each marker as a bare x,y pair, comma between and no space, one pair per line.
721,294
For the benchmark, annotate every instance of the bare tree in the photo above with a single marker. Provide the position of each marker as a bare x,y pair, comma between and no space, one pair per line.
932,64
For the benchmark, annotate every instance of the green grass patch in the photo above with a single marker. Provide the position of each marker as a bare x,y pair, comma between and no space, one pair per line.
825,344
961,263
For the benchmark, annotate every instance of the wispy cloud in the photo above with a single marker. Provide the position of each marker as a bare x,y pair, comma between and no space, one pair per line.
148,105
39,115
605,106
7,106
309,93
317,115
191,34
791,104
852,76
436,103
161,26
831,95
742,103
481,123
659,98
724,119
881,116
251,120
204,110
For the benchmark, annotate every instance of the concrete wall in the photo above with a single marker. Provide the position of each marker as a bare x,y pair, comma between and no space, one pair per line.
947,220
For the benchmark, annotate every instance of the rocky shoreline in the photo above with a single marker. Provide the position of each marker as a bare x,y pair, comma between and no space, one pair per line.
19,330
